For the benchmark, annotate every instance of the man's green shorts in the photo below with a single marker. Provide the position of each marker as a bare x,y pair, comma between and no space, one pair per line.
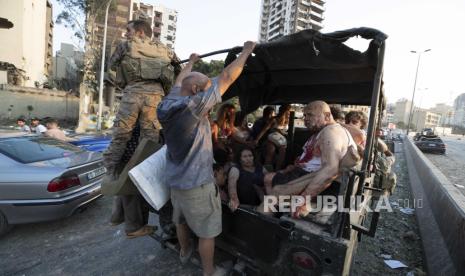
200,208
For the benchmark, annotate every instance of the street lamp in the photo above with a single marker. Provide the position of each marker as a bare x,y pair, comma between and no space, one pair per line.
102,69
419,105
414,87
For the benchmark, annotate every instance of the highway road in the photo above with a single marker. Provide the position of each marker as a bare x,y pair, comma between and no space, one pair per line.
452,164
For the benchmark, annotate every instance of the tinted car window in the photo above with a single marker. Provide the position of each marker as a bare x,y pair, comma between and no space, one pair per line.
34,149
433,140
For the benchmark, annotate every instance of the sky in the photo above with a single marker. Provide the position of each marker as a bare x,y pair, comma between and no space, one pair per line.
209,25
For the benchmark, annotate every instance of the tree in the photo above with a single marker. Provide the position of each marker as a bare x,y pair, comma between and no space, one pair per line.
81,16
401,125
211,69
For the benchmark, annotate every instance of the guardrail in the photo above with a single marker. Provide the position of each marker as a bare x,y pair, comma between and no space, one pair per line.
441,217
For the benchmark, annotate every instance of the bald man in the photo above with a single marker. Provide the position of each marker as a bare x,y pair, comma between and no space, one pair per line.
330,148
184,117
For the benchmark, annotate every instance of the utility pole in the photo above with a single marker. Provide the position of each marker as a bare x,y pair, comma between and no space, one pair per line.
102,70
414,88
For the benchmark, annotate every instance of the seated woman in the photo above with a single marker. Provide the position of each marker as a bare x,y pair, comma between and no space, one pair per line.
242,134
245,180
223,127
276,137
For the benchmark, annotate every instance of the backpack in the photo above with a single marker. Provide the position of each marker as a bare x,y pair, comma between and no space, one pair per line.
147,60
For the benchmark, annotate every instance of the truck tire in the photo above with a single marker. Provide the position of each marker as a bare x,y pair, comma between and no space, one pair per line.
4,226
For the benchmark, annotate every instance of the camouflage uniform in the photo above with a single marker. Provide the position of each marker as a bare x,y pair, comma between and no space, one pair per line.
139,104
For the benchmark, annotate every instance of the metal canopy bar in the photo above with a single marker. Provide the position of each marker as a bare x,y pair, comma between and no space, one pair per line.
214,53
374,105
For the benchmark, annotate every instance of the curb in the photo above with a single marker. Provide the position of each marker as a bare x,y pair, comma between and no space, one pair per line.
441,218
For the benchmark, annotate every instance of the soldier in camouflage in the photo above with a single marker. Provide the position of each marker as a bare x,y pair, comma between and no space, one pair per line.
144,78
141,94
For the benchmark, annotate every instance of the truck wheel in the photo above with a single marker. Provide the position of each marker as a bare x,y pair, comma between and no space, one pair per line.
4,226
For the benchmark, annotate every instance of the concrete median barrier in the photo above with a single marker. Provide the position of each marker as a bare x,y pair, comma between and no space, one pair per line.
441,216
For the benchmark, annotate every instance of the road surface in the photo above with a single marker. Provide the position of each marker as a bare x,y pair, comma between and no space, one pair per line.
452,164
85,244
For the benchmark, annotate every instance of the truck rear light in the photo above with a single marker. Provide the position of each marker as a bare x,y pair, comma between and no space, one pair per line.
63,183
304,261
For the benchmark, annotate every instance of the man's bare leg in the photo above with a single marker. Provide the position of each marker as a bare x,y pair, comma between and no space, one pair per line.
293,187
207,251
183,233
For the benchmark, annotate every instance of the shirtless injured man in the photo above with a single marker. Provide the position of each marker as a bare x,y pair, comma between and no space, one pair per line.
329,149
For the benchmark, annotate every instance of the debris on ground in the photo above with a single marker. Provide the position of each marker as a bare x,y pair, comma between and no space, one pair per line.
388,240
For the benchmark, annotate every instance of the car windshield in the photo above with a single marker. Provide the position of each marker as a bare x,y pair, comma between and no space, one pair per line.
34,149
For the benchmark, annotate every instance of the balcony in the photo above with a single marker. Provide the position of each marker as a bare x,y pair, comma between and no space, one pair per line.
317,7
276,19
305,3
303,19
158,17
316,25
275,35
316,16
275,27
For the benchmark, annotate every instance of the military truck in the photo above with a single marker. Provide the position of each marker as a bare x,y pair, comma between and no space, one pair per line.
297,69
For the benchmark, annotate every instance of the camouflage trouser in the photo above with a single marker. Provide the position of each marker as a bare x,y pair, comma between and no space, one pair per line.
135,107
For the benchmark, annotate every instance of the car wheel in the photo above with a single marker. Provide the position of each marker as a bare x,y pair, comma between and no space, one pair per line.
4,226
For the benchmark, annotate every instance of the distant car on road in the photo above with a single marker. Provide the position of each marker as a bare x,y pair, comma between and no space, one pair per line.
45,179
432,144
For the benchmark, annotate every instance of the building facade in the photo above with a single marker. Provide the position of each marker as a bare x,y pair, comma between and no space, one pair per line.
29,44
163,21
459,110
402,111
446,112
67,65
423,118
347,108
283,17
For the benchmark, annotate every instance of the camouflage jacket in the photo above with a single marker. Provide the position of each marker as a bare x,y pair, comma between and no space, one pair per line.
140,86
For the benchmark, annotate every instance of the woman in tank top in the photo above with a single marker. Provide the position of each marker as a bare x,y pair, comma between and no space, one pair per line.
223,127
245,180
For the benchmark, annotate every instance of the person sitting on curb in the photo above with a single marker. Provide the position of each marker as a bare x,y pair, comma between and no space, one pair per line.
54,132
37,127
21,122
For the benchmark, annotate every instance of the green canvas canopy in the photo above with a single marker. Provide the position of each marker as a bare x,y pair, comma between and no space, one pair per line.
308,66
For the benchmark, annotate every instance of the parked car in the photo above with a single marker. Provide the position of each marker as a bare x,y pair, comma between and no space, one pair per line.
92,143
432,144
45,179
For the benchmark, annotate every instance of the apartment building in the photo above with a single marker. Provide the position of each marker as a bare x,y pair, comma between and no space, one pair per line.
459,110
402,111
163,21
28,45
446,111
423,118
66,67
283,17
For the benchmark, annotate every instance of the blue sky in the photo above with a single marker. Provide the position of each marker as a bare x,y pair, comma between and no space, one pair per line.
209,25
